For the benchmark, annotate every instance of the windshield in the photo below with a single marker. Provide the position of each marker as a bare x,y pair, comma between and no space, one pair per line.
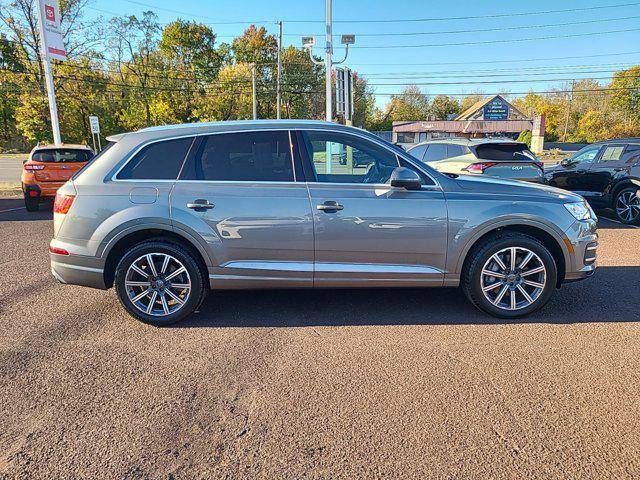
61,155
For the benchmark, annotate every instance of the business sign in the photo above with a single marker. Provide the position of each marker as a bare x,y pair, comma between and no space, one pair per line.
52,40
496,109
95,124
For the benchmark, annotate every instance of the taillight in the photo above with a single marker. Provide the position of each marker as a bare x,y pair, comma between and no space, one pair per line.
29,167
63,203
58,251
479,167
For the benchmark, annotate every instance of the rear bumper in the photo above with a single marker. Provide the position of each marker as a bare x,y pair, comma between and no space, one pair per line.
44,189
78,270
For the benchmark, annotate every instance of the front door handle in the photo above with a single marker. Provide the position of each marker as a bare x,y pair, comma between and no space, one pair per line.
200,205
581,171
330,206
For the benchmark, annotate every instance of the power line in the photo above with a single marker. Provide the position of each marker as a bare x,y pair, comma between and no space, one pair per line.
487,42
479,30
404,20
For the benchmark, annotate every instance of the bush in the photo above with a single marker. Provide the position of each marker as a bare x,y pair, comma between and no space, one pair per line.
525,137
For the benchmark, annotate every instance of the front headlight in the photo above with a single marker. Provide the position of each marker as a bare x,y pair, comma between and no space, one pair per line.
580,210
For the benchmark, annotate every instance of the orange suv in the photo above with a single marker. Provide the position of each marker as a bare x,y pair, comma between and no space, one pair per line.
48,168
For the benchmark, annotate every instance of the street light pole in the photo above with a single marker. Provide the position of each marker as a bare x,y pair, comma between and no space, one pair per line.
255,95
327,62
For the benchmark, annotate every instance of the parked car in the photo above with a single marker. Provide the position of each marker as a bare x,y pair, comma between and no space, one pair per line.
47,168
165,214
607,174
501,158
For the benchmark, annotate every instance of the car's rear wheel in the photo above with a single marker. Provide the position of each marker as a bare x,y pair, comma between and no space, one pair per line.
32,204
627,205
509,275
159,283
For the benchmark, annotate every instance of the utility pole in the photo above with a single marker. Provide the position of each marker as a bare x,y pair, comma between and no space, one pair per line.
279,92
255,95
566,120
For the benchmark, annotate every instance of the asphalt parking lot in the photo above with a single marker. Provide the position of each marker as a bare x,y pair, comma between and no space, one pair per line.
317,384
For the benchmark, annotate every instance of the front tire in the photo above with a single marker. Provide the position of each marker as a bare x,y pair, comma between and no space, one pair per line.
626,206
159,283
509,275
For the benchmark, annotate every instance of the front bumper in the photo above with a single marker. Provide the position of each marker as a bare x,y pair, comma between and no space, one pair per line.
582,242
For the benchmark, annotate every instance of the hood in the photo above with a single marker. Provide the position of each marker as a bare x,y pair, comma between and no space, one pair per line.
552,168
487,184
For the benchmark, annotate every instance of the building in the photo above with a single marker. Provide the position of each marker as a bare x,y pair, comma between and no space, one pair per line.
492,117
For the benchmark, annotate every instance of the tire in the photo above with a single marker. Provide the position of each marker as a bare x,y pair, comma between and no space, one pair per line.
626,206
32,204
161,284
482,258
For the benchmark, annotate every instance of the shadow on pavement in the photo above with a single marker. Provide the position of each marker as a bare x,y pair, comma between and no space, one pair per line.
609,296
12,210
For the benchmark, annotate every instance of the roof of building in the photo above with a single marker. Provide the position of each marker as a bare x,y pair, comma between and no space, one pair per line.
480,104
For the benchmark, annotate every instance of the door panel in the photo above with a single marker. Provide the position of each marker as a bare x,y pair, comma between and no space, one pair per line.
574,175
257,235
382,236
238,192
610,161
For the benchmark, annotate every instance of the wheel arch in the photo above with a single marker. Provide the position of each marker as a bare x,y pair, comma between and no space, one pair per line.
549,240
122,242
623,183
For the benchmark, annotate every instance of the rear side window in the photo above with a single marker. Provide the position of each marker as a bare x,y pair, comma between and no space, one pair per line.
436,151
157,161
612,153
504,151
61,155
242,157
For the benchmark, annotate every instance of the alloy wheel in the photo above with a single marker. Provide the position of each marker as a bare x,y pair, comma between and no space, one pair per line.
158,284
513,278
628,205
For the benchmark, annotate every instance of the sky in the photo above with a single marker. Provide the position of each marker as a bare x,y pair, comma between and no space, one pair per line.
526,46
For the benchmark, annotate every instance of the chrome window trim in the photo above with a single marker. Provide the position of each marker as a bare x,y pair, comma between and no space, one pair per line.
244,130
130,156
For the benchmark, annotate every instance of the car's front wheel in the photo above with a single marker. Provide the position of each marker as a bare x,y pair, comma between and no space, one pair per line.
159,283
509,275
627,205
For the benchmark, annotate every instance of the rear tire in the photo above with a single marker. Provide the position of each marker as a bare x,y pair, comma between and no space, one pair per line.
32,204
164,293
626,206
523,286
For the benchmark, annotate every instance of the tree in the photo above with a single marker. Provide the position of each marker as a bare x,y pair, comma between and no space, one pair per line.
411,104
443,106
231,100
626,97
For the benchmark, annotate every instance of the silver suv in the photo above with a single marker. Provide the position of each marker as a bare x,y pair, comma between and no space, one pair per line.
165,214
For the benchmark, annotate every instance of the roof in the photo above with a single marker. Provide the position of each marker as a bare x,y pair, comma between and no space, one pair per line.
481,103
185,129
618,140
62,145
465,126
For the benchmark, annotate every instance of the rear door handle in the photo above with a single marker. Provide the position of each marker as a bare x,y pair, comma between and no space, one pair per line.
200,205
330,206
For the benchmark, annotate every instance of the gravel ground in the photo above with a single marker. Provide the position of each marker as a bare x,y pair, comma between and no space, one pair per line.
325,384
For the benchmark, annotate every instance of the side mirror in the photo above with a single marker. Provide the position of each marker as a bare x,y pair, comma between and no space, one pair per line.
405,178
565,162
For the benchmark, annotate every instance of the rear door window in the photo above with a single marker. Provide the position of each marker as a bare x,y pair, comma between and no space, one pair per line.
611,153
436,151
157,161
61,155
242,157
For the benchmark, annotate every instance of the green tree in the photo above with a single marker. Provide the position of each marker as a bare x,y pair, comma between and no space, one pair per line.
409,105
443,106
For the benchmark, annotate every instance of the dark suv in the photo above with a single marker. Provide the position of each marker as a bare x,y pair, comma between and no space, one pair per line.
607,174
